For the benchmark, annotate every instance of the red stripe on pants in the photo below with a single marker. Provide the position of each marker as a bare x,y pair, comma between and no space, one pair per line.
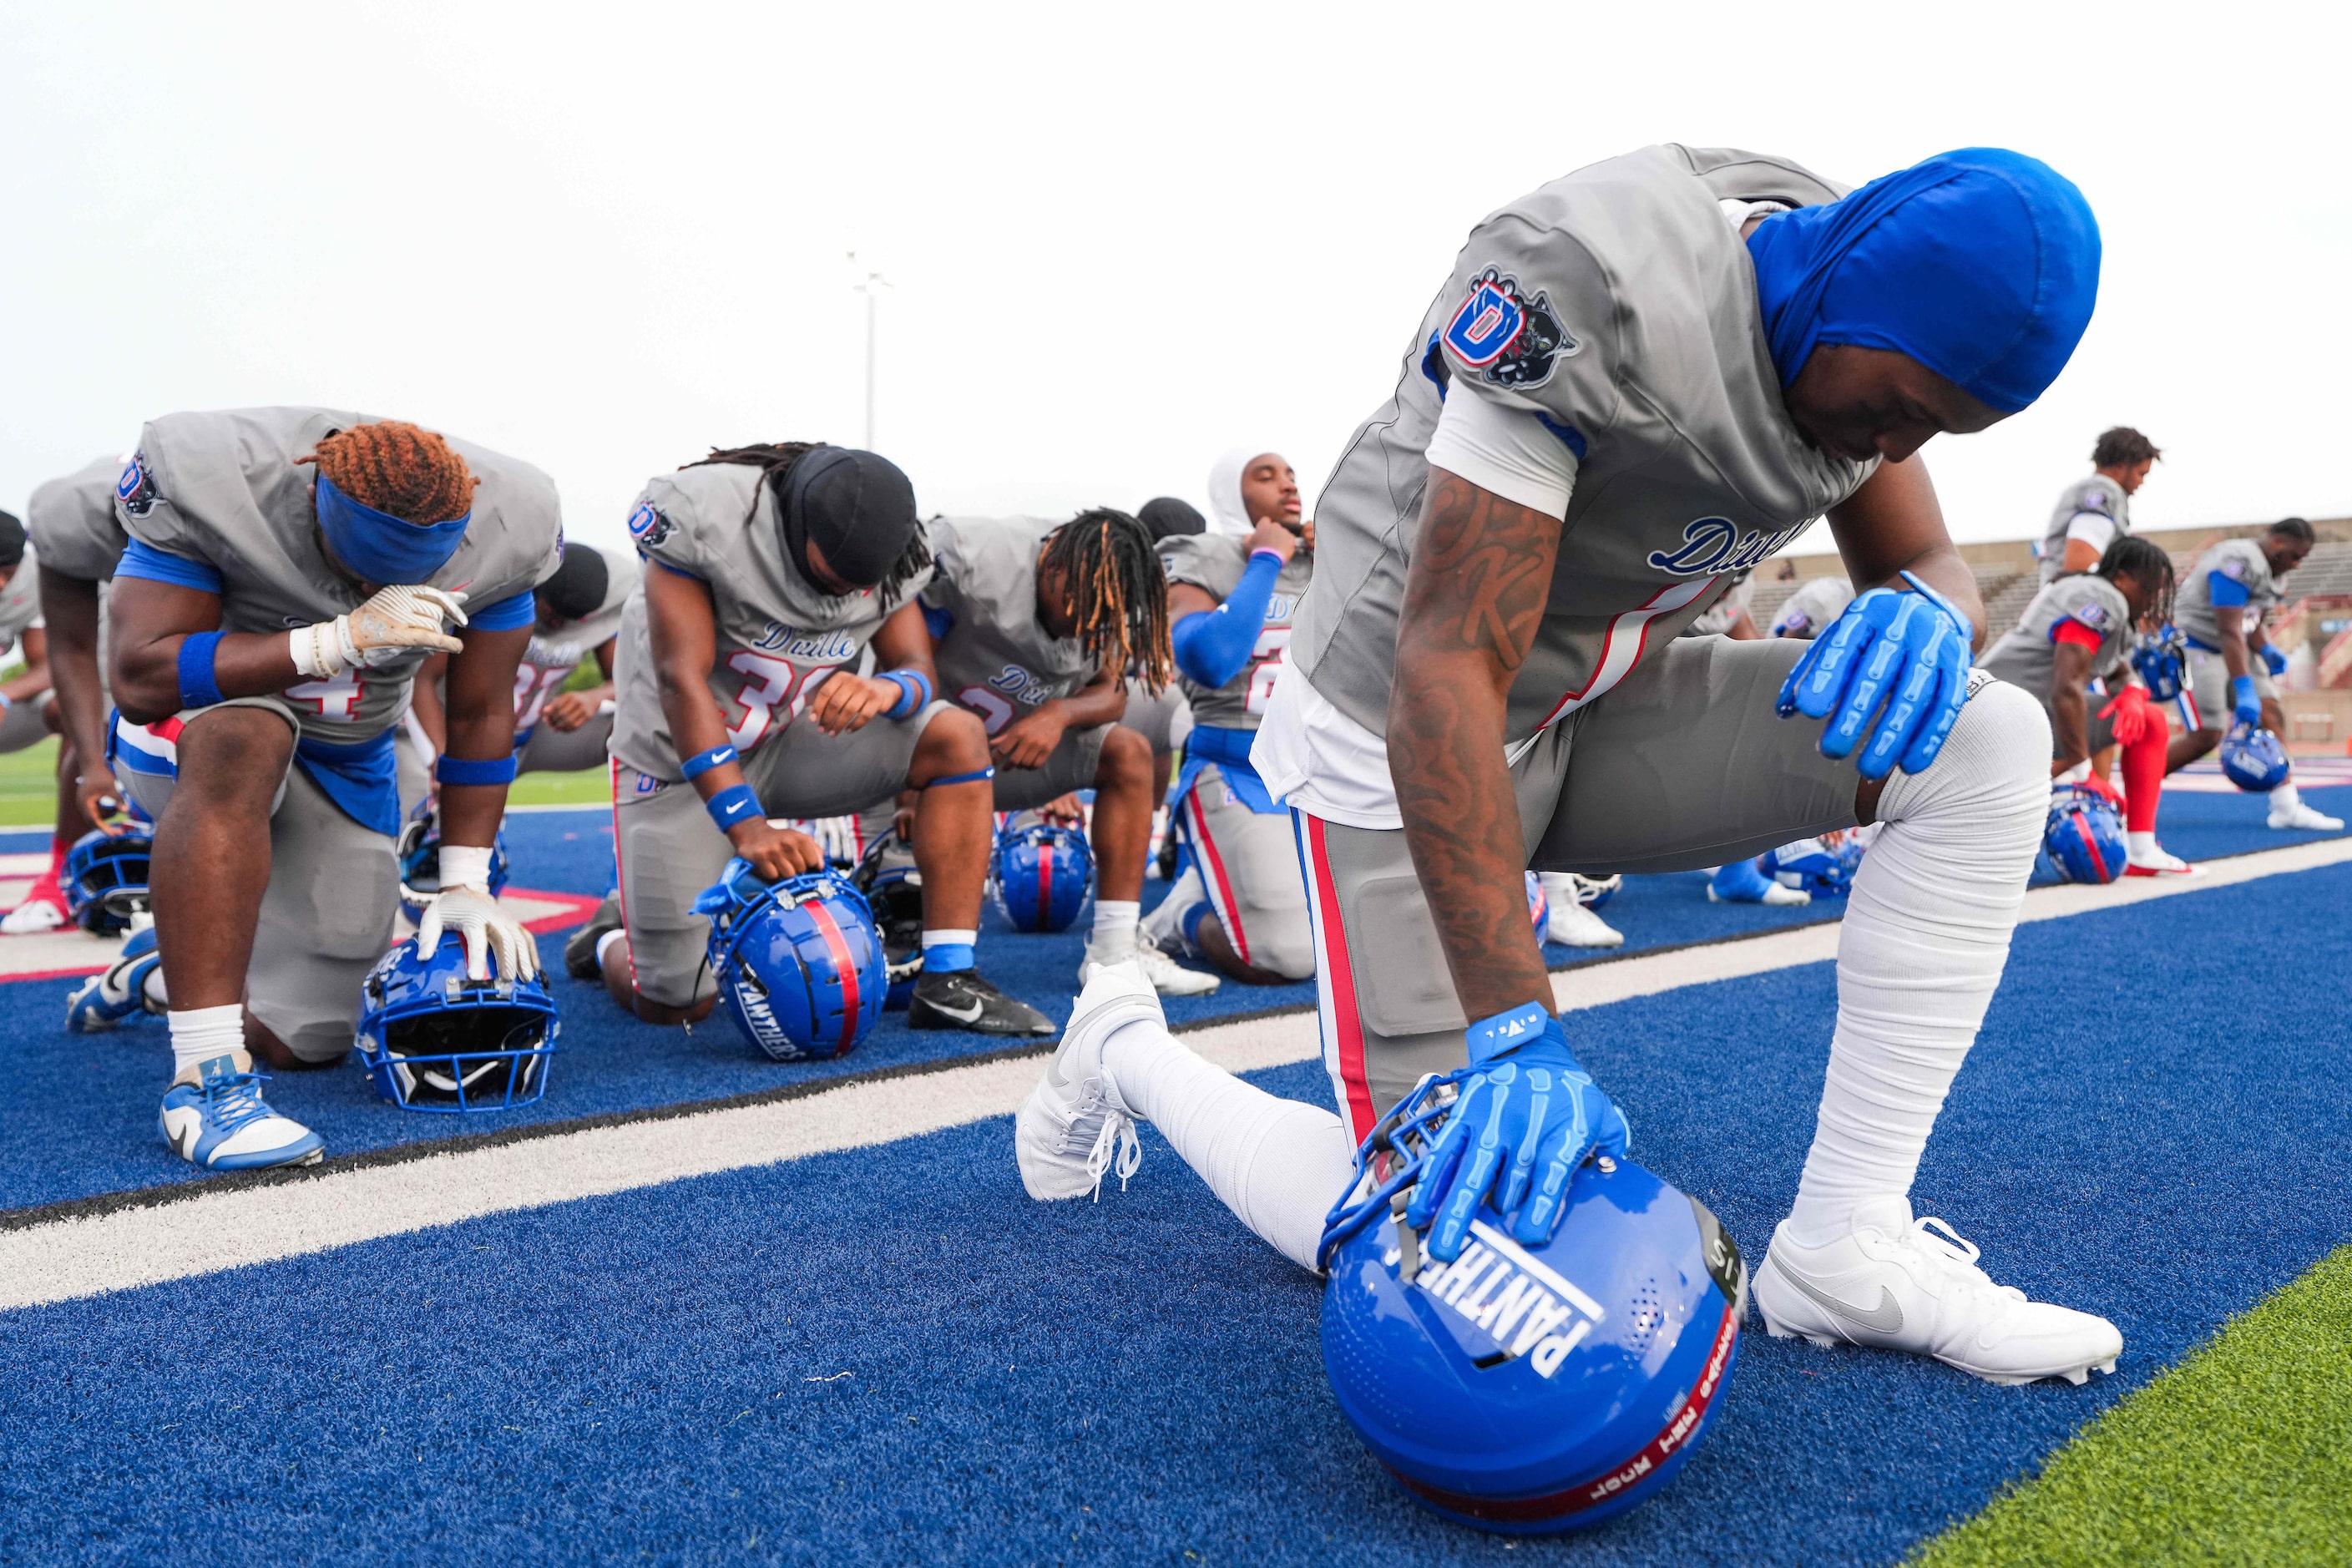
1228,907
1346,1023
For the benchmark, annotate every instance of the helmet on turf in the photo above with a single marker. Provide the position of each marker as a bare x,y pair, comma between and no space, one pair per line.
894,892
1041,872
799,961
420,861
2083,836
1522,1389
1594,891
1822,866
435,1040
2162,660
1538,904
106,879
2254,759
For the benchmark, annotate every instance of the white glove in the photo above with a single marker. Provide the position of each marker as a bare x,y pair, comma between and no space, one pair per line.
393,623
488,930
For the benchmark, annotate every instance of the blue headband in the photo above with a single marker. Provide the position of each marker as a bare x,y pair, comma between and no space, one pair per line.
382,548
1981,264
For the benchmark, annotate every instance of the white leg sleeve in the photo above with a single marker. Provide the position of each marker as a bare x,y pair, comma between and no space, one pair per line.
1279,1164
1926,936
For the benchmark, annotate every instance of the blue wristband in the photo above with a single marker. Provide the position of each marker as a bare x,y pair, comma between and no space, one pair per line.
199,688
452,770
732,805
915,691
702,763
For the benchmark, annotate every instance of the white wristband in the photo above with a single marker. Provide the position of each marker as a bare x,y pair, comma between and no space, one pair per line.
465,866
313,655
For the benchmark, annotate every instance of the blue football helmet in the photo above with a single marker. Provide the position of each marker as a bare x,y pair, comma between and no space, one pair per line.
2254,759
2162,660
1538,904
1527,1390
1823,867
434,1040
800,964
106,879
2083,836
420,861
1041,872
894,892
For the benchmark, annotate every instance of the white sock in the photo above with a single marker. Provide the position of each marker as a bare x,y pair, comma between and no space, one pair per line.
1114,930
200,1034
1925,935
1279,1164
604,944
2286,798
1559,887
2141,846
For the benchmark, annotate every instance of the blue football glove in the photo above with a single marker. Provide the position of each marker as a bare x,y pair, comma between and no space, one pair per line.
1526,1117
1908,650
2245,706
2272,658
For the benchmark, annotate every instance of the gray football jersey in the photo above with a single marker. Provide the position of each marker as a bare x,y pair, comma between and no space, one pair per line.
1809,612
224,488
2026,657
2097,494
1620,306
554,655
72,523
1214,563
995,657
2242,559
779,635
20,601
1724,614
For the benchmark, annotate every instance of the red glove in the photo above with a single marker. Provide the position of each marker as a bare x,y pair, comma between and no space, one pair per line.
2132,714
2103,790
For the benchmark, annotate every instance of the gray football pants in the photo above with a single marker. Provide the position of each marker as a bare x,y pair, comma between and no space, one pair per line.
327,916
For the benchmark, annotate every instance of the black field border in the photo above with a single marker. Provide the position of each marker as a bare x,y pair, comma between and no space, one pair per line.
425,1148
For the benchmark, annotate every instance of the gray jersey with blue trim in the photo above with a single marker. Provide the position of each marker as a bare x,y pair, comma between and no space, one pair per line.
2025,656
1214,563
2097,495
224,488
995,657
1620,306
2241,561
72,523
555,651
779,635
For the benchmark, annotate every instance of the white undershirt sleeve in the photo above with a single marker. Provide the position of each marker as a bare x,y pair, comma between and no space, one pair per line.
1507,450
2093,529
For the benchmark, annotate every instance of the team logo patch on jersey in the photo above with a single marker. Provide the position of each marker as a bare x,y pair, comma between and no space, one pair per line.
2092,615
1505,336
1713,544
649,525
136,489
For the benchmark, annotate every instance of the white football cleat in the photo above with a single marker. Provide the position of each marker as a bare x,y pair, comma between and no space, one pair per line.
1073,1128
1893,1283
2157,862
1165,924
2300,815
34,916
1577,926
1167,977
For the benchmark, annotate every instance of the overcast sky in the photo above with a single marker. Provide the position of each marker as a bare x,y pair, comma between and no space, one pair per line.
605,240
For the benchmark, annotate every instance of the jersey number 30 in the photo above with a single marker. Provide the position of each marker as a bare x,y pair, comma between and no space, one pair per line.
773,696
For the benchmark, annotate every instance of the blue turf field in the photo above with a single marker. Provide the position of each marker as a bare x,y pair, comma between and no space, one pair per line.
656,1375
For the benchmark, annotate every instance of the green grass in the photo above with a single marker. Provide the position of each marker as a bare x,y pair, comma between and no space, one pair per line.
589,786
2238,1455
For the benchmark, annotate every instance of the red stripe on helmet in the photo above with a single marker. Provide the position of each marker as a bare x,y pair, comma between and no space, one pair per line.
843,965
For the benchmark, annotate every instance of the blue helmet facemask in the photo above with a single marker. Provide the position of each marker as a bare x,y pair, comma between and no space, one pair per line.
380,547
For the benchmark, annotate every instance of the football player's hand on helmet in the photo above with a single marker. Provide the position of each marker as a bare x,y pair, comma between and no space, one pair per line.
393,623
2102,789
2245,702
2275,660
1065,809
776,852
1524,1119
2132,714
1907,651
472,916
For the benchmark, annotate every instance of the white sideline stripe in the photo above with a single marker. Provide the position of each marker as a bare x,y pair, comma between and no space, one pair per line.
71,1258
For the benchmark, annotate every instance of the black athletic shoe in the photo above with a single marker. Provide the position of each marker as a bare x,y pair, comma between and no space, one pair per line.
580,947
963,1000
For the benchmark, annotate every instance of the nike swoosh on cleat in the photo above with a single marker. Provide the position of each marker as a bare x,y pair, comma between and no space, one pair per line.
970,1017
1886,1318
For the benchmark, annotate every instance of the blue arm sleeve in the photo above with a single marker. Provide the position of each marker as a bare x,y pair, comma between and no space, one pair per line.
2225,590
505,616
140,559
1212,646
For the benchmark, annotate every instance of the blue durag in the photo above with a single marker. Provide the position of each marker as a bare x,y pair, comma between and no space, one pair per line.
1981,264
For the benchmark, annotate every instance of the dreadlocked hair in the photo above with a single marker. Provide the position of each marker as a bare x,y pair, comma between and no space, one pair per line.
775,459
399,468
1118,592
2145,560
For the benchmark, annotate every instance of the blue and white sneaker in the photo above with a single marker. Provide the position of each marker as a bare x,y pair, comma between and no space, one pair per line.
221,1123
133,983
1165,925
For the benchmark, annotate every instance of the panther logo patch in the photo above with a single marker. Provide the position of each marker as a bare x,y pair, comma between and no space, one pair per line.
1509,337
649,525
136,488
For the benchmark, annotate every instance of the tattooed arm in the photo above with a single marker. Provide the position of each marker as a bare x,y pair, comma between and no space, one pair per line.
1473,598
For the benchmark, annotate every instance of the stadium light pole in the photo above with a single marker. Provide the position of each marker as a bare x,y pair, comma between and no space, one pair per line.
871,284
